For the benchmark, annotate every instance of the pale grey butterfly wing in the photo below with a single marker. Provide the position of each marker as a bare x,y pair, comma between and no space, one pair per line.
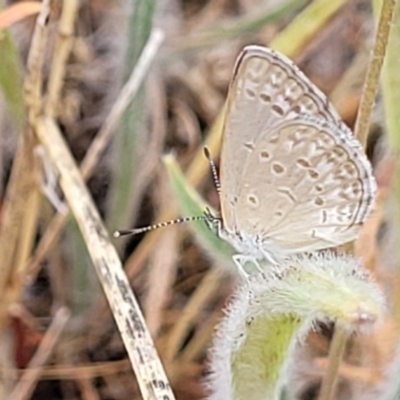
293,177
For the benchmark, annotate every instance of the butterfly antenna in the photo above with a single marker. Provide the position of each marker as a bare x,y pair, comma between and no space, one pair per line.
213,170
157,226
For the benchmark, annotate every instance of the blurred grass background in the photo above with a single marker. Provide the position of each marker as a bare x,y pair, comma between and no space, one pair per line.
177,109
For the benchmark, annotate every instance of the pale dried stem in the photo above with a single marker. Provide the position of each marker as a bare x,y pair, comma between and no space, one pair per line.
336,352
84,371
362,375
34,78
15,244
124,99
60,57
57,71
138,343
373,72
361,132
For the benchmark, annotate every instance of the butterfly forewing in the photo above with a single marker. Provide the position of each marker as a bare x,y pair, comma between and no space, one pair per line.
292,174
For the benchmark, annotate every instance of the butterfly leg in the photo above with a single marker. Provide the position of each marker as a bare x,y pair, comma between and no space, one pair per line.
270,258
240,260
213,223
273,257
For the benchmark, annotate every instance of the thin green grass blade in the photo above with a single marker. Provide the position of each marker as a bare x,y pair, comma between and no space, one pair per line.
191,204
132,137
85,287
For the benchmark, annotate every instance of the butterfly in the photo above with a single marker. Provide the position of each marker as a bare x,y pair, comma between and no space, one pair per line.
293,178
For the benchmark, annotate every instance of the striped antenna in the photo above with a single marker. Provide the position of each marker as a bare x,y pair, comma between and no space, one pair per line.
213,170
157,226
208,217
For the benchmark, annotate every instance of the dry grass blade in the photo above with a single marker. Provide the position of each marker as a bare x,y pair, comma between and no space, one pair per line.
361,130
127,94
391,100
374,70
336,352
85,371
61,53
33,82
150,374
21,191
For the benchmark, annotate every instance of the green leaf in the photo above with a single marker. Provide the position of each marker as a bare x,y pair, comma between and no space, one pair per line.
191,204
132,137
